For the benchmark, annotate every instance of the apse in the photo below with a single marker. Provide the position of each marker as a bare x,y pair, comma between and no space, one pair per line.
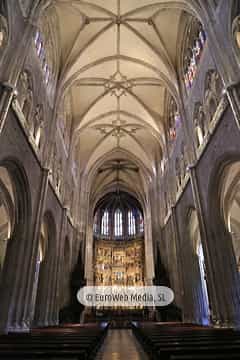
118,241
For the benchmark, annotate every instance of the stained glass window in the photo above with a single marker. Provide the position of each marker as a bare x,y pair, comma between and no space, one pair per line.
118,223
194,53
105,223
131,223
141,225
41,53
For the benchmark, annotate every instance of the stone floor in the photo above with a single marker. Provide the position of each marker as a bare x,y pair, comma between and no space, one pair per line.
121,345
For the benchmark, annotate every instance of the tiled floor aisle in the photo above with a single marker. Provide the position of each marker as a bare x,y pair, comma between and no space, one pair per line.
121,345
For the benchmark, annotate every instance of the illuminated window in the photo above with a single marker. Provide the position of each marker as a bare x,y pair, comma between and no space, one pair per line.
47,75
95,227
37,37
118,223
39,48
105,223
41,53
38,137
193,56
131,223
141,225
174,121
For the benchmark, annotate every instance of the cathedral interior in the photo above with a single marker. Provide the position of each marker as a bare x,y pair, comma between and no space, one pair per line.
119,166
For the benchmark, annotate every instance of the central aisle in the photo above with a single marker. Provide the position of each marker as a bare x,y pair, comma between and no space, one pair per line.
121,345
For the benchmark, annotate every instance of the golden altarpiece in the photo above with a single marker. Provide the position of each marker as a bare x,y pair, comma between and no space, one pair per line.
119,242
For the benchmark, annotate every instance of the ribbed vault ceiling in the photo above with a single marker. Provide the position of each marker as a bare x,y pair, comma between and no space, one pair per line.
118,61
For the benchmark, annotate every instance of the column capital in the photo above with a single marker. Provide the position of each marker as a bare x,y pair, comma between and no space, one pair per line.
46,170
10,87
191,167
230,87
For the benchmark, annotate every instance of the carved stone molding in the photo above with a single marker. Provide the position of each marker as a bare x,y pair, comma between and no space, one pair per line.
236,31
25,6
3,33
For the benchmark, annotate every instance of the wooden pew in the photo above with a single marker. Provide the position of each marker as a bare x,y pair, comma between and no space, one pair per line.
216,356
172,342
52,343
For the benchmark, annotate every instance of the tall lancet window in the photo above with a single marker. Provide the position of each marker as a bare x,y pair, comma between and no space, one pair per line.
95,227
131,223
118,223
141,225
105,223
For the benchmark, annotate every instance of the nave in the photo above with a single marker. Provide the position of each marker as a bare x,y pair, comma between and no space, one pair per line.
146,340
120,344
119,167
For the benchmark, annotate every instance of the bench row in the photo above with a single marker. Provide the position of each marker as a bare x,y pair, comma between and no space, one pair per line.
181,342
82,344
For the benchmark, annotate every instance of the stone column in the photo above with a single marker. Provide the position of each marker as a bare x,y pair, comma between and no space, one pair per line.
58,269
45,292
89,272
180,266
7,95
46,276
89,266
225,61
148,242
31,291
15,66
13,279
234,101
18,284
194,290
223,280
204,240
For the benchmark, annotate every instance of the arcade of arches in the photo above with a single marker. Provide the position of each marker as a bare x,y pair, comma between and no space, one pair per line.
119,157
